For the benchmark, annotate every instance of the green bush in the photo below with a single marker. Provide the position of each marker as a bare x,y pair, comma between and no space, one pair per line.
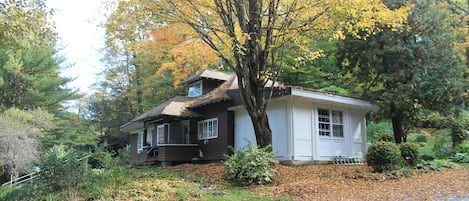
461,158
442,146
124,155
462,148
409,152
427,157
384,156
253,165
102,159
386,137
61,169
375,129
421,138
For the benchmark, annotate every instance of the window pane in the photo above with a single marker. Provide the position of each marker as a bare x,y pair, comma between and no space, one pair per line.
208,129
338,131
324,133
336,117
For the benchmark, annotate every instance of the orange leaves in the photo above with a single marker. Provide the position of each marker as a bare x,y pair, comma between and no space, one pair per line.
180,50
327,182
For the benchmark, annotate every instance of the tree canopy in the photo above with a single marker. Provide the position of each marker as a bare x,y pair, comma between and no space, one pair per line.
409,69
251,37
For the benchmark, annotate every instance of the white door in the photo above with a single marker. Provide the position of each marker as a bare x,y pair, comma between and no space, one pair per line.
330,135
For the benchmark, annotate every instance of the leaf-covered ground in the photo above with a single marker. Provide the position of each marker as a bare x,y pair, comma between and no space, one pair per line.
332,182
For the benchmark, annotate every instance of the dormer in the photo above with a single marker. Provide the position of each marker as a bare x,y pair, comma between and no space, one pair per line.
204,82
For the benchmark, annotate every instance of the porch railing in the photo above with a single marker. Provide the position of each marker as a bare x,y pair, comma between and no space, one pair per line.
29,177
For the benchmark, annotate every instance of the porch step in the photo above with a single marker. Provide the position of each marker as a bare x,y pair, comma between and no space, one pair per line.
341,160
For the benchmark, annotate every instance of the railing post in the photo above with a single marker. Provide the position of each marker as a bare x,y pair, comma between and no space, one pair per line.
11,180
31,180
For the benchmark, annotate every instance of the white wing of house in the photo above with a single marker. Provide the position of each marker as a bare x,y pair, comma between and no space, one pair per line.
310,126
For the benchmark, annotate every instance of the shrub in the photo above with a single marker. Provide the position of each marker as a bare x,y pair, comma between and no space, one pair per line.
462,148
386,137
427,157
374,130
61,169
102,159
442,146
461,158
421,138
124,155
409,153
384,156
253,165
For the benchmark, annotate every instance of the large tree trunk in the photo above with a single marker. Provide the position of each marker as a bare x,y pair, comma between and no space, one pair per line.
262,130
397,129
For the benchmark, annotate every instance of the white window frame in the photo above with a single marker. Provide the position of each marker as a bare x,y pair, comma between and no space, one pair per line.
207,129
149,136
186,136
158,133
330,121
195,89
140,142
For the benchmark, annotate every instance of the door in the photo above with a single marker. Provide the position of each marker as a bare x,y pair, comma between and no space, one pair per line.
331,141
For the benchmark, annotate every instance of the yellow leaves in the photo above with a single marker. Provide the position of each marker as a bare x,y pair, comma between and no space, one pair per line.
180,50
365,16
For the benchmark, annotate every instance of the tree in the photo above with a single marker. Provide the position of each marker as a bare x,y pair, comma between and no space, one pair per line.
410,69
251,37
19,138
29,70
72,131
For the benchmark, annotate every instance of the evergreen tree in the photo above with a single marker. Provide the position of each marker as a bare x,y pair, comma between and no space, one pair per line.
29,69
407,69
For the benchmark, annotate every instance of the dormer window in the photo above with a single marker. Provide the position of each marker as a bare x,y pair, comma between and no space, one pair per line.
195,89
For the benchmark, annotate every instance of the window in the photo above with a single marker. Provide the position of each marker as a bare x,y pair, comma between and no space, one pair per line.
161,130
186,131
195,89
149,137
330,123
140,142
208,129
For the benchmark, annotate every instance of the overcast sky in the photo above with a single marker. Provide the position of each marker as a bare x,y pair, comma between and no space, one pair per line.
77,25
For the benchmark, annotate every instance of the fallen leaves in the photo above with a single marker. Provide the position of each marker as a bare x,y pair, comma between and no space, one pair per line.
332,182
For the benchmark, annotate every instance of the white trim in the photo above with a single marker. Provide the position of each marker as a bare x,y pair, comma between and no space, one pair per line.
192,85
334,99
214,133
149,136
186,136
140,142
158,132
178,145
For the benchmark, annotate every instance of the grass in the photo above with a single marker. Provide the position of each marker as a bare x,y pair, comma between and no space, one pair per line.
120,183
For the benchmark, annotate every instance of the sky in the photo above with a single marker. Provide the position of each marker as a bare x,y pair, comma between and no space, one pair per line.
77,26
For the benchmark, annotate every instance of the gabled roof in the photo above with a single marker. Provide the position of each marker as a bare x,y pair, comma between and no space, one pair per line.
210,74
173,107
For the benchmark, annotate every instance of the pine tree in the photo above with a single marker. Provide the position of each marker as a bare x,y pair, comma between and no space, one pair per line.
407,69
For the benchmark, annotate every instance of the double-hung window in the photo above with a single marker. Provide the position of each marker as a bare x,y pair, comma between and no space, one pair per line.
161,131
140,142
149,137
208,129
330,123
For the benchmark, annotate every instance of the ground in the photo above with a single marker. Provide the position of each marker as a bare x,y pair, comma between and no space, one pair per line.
333,182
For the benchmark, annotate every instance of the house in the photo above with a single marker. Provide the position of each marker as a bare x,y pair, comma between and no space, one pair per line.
307,126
